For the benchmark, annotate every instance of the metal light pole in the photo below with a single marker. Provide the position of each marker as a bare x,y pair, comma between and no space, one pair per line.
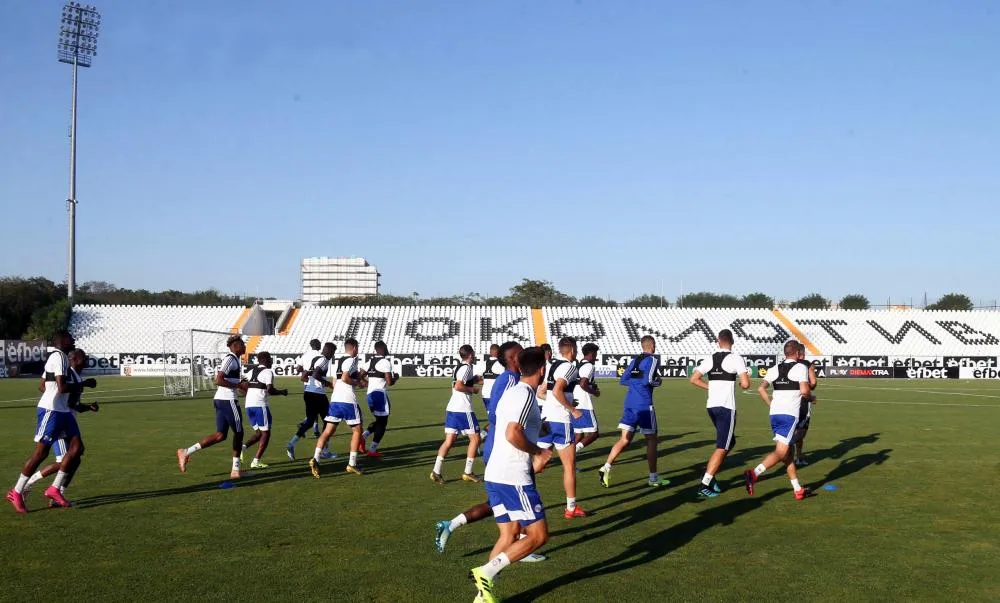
77,47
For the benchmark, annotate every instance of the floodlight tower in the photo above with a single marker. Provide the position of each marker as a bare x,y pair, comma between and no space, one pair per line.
77,46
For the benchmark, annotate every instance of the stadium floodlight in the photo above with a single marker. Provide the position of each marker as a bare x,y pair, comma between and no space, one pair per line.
78,33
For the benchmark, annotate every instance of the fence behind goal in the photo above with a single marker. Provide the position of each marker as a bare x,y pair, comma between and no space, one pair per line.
200,352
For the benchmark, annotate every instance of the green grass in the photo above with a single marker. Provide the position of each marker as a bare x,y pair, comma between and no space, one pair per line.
915,515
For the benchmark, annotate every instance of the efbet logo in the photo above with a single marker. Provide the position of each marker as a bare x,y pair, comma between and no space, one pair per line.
621,371
761,372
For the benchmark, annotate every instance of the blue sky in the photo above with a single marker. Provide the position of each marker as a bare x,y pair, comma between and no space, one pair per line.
614,148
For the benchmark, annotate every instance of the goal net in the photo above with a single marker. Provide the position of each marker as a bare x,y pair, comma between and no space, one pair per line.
190,358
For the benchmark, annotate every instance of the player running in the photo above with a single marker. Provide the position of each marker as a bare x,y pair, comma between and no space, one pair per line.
791,383
510,482
259,387
54,421
586,390
343,407
380,377
558,412
543,388
227,407
641,376
459,417
77,362
805,413
315,368
722,370
315,412
490,372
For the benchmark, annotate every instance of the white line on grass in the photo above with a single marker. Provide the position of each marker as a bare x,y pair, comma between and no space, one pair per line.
910,403
939,392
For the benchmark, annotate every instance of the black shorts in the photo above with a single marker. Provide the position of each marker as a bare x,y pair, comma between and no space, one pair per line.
316,404
724,420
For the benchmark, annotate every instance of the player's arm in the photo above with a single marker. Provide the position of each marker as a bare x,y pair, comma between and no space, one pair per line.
559,391
745,379
390,377
276,392
589,386
653,373
220,380
812,377
762,391
697,379
468,385
515,435
805,390
41,385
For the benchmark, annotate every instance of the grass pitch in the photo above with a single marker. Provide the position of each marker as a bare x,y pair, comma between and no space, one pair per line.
914,514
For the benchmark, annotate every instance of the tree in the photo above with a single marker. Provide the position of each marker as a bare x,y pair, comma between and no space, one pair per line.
854,301
705,299
20,298
46,321
648,300
757,300
539,293
595,301
952,301
813,301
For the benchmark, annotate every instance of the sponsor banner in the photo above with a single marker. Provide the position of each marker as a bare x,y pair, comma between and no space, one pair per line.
965,372
860,361
925,372
23,357
3,370
980,362
605,372
155,370
432,370
848,372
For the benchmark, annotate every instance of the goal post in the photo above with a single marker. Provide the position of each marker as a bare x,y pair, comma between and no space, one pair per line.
190,357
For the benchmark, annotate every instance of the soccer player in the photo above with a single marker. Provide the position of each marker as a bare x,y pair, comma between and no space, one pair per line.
459,416
380,377
543,386
315,367
558,411
343,407
77,362
722,370
493,368
260,386
586,390
227,408
54,421
641,376
805,413
791,383
305,367
510,482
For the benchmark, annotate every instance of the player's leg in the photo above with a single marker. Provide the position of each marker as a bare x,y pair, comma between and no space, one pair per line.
69,464
649,428
59,447
221,431
724,421
470,453
352,461
235,418
567,455
525,508
783,427
380,424
604,473
586,430
452,427
43,442
262,434
331,420
444,528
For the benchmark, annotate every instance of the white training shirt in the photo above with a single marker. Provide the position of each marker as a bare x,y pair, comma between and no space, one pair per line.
492,365
343,392
721,393
787,402
58,366
461,401
229,361
257,398
377,384
311,361
584,401
508,465
552,410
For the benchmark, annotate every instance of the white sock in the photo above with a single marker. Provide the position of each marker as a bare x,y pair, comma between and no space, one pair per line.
22,481
193,449
759,470
295,440
236,463
438,464
654,477
458,522
353,460
373,446
33,479
62,489
496,564
244,448
707,480
366,434
317,453
606,467
570,503
796,485
468,464
579,446
60,478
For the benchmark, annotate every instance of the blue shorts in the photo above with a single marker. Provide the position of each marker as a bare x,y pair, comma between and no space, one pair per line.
644,419
347,412
515,503
488,445
587,423
560,435
783,427
486,403
378,403
724,420
805,413
260,417
464,423
59,448
228,416
51,426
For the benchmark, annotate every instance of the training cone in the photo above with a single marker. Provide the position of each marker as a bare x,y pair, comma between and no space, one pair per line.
830,487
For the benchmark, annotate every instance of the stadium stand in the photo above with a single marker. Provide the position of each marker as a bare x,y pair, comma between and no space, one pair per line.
679,331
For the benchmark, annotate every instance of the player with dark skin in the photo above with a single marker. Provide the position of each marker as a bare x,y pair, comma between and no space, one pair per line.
591,388
239,348
77,361
262,436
